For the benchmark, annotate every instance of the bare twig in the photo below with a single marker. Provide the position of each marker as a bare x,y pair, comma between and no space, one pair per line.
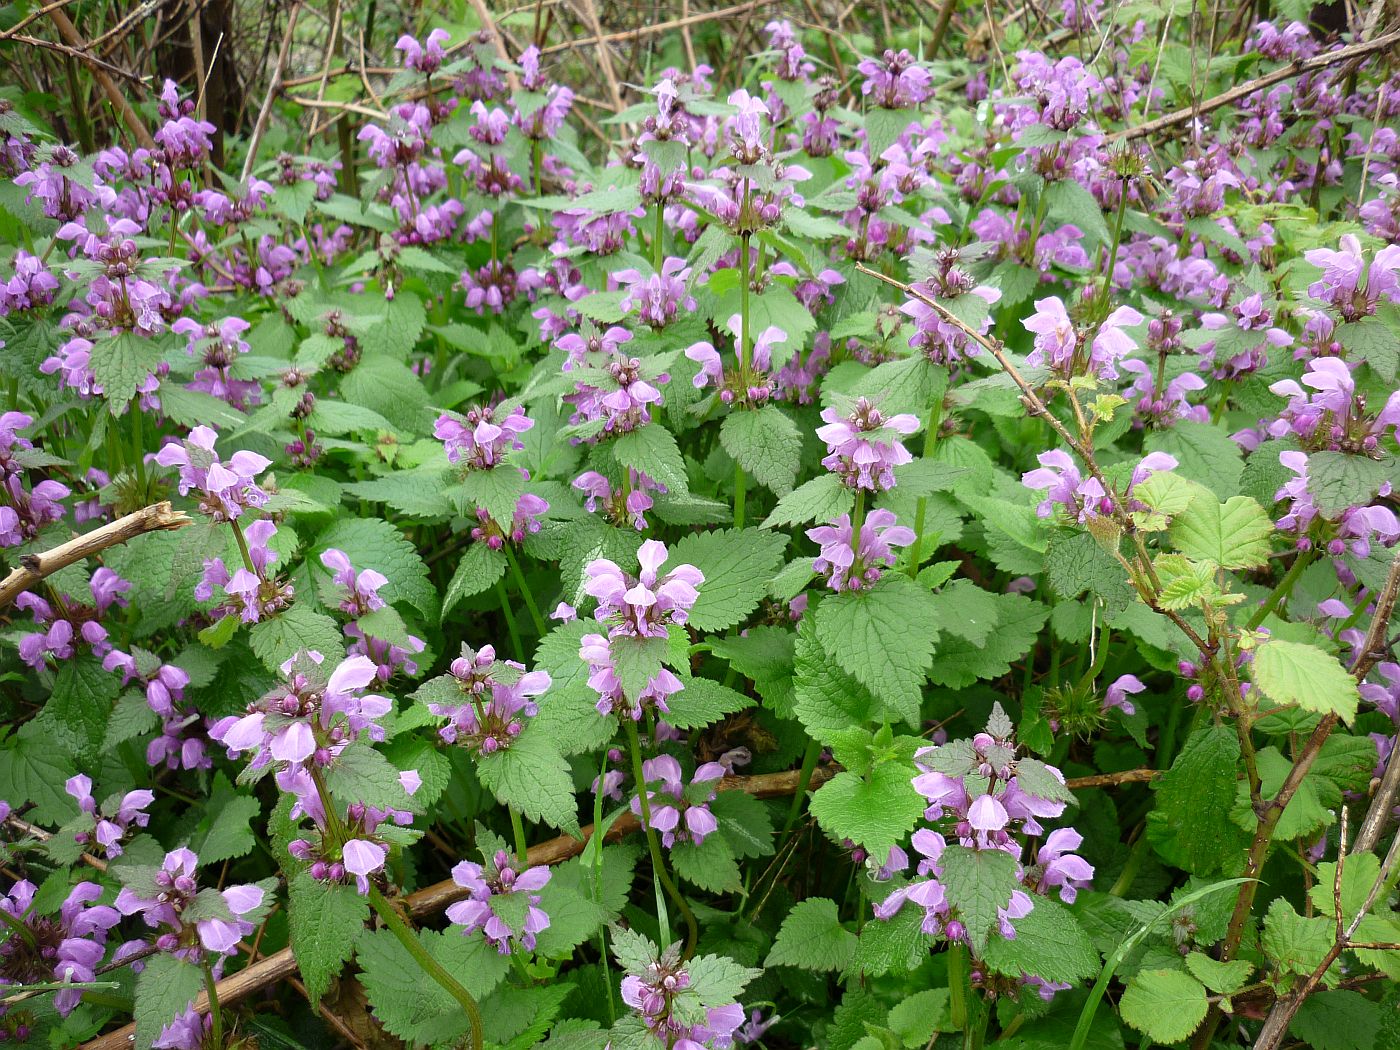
260,125
1296,68
34,567
659,27
35,832
488,23
590,14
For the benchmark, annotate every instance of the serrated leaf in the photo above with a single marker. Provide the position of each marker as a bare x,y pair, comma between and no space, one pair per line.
324,919
1189,825
532,776
1166,1005
652,450
812,938
876,813
1049,944
703,702
978,883
478,569
884,637
408,1003
737,564
278,638
824,498
1296,673
164,989
1233,535
122,362
766,443
1338,480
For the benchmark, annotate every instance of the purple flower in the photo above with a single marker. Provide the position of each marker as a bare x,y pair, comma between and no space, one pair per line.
1060,347
479,440
662,994
659,297
1117,695
226,489
31,286
680,813
171,891
895,80
252,594
69,945
1061,867
1082,498
1332,418
642,606
310,719
426,57
863,447
596,651
79,625
108,829
859,569
499,881
1348,284
28,512
491,724
622,506
359,592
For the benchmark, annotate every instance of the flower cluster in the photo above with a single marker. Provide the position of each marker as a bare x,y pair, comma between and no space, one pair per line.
863,446
163,897
503,902
678,810
66,948
114,821
497,698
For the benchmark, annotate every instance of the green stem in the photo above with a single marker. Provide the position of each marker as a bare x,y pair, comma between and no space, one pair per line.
517,825
243,547
1117,236
1284,588
857,523
430,966
935,419
657,256
804,781
537,162
525,593
740,484
745,279
958,985
658,862
975,1034
216,1018
514,631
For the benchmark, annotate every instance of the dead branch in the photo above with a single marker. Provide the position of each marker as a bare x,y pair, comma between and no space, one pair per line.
34,567
660,27
261,125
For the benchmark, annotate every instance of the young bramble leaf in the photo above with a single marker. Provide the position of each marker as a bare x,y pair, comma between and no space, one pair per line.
1233,535
1166,1005
1295,673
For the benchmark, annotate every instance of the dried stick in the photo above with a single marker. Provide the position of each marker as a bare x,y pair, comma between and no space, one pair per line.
260,125
36,832
940,28
13,32
660,27
432,899
1293,69
34,567
489,24
590,14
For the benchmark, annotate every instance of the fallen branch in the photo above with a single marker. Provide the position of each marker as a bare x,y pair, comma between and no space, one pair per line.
1293,69
34,567
432,899
660,27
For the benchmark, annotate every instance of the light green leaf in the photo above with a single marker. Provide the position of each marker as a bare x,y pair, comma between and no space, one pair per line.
766,443
812,938
164,989
737,564
824,498
479,569
277,639
532,776
876,813
1166,1005
1189,825
1049,944
652,450
1296,673
1233,535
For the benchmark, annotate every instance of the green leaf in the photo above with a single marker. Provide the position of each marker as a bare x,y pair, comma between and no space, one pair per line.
33,770
812,938
1205,454
745,823
1339,1020
1338,480
122,362
703,702
81,704
737,564
958,662
227,831
1224,978
828,700
1070,202
362,774
710,865
898,945
479,569
964,610
884,637
1166,1005
1293,943
390,388
164,989
637,661
1371,340
406,1001
1076,562
532,776
278,638
978,883
717,981
877,813
766,443
652,450
1049,944
1233,535
496,491
1295,673
418,493
824,498
1189,825
325,919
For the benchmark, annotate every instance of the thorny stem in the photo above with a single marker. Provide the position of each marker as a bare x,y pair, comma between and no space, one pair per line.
658,862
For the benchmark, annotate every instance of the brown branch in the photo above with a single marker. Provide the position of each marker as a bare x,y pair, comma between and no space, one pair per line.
659,27
1100,780
38,833
1293,69
34,567
13,33
261,124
